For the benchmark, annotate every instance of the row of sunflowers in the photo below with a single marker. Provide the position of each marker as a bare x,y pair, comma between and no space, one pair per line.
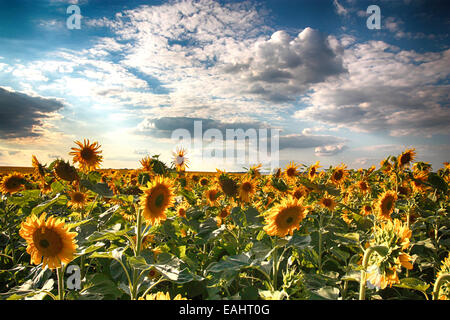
161,232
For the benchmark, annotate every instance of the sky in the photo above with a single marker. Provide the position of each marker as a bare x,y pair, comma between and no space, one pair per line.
135,72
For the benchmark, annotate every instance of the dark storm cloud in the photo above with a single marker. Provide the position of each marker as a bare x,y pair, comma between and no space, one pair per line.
21,114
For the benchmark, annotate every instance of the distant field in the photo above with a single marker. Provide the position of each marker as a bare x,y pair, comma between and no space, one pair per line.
25,170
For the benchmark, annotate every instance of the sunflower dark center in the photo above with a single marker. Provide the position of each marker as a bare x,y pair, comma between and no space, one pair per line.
87,154
44,243
159,200
289,220
247,187
338,175
291,172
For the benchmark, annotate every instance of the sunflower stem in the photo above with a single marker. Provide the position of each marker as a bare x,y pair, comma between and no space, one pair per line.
137,253
274,268
362,285
438,284
320,242
60,277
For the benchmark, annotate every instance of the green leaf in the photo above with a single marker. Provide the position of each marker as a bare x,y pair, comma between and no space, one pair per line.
381,250
100,286
100,188
113,233
234,263
413,283
325,293
437,182
299,242
43,206
138,263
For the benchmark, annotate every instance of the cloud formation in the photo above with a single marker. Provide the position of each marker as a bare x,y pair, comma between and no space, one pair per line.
386,90
23,115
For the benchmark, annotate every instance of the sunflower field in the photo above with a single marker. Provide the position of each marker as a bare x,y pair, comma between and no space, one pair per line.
74,231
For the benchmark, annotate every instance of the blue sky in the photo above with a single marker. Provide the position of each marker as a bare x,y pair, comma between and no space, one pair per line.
138,70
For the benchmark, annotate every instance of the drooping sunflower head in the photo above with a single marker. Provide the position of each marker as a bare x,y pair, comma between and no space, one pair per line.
77,200
87,155
12,183
254,171
395,236
386,204
147,163
156,198
339,174
385,165
212,196
179,159
284,217
49,241
406,157
65,171
246,190
228,185
312,171
39,170
291,170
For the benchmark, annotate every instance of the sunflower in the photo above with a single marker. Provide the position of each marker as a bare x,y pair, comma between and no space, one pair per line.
328,202
204,181
77,200
182,209
246,190
284,217
65,171
87,155
394,235
212,196
223,214
228,186
39,170
291,171
406,157
146,163
157,197
385,165
313,170
418,183
299,192
12,183
49,241
254,172
339,174
386,204
162,296
277,174
180,160
444,292
363,186
366,210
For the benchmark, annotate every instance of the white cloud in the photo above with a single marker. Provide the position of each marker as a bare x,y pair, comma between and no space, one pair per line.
386,89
